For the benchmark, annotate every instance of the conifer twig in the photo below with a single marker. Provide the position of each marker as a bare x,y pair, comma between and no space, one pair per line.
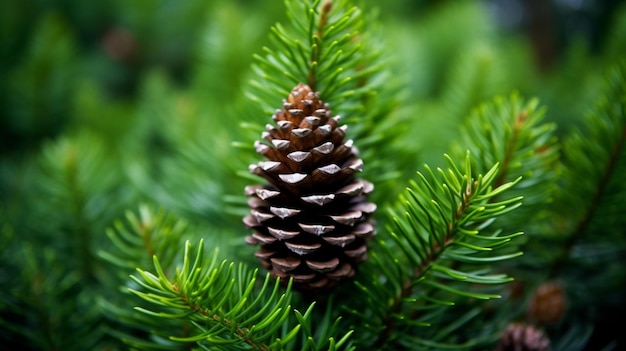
594,204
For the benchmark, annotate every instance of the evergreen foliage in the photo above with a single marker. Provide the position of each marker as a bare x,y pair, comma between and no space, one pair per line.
440,222
124,162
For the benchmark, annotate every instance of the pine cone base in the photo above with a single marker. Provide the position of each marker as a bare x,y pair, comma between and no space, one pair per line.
312,221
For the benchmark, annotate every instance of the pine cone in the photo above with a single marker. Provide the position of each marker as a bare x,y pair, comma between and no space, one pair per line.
523,337
312,220
548,303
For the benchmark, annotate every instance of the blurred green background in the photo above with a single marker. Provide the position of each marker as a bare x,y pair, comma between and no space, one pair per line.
57,54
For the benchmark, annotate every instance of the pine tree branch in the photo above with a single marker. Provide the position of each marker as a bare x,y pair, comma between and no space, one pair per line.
323,47
432,256
134,243
445,220
242,333
602,185
607,125
226,307
68,203
510,147
512,131
153,232
71,166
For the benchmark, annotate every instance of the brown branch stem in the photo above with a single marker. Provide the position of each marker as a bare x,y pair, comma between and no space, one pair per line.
241,332
315,53
510,148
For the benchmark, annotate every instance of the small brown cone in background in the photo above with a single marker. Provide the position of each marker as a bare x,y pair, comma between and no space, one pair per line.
548,303
312,220
523,337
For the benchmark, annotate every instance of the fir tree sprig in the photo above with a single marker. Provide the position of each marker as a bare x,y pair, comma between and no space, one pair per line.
593,164
139,238
228,308
41,312
70,204
583,250
319,47
77,180
218,298
441,220
512,131
134,242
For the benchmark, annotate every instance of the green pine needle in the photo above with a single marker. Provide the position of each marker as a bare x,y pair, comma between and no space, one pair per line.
441,223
